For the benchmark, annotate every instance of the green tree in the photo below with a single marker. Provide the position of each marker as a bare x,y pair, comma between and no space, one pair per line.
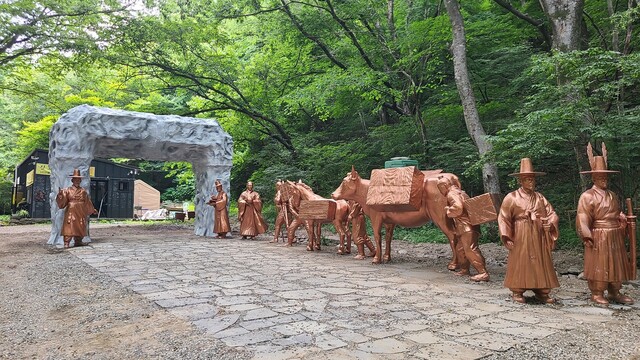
31,29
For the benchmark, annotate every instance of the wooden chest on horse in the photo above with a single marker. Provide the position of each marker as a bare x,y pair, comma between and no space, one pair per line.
483,208
317,209
396,189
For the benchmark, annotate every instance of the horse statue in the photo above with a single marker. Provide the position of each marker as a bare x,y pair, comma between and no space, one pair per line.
292,198
339,222
353,187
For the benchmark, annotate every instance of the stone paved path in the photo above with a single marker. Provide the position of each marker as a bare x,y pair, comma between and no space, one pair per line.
286,303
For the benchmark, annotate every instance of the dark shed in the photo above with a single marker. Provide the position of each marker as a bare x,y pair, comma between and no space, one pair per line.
111,187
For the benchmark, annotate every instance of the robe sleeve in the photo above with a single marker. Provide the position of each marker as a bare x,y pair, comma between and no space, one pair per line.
552,218
456,204
242,205
584,217
88,205
505,218
222,203
257,203
62,199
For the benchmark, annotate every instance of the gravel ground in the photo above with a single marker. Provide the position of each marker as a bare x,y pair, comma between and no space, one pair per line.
54,306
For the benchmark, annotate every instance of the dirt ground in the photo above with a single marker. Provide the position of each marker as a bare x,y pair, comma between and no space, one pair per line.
54,306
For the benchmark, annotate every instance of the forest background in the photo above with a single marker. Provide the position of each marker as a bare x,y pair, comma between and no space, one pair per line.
308,88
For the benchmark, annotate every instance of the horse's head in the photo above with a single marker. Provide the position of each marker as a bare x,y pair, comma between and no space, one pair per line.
348,187
304,190
291,192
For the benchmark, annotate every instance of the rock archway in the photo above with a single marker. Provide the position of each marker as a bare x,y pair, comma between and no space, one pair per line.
85,132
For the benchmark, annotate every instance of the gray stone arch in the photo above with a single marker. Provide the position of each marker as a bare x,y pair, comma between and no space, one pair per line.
85,132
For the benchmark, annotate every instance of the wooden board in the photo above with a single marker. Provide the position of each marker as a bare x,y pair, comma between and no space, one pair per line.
317,209
396,189
483,208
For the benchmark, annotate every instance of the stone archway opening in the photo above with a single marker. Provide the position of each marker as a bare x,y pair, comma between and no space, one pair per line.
85,132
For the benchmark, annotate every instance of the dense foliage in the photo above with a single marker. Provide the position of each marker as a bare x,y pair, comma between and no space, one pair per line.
309,88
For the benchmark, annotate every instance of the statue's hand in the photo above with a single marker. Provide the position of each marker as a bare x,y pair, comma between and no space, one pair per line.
623,220
509,244
588,242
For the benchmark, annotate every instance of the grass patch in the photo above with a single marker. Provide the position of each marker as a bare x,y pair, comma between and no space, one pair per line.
568,239
428,233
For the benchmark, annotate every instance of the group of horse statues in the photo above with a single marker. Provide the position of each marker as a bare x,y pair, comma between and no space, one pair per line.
353,190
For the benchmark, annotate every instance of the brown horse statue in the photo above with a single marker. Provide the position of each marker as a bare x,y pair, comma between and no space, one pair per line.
339,222
353,187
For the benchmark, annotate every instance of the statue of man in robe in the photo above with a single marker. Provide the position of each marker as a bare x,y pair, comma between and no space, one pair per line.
78,206
529,229
250,213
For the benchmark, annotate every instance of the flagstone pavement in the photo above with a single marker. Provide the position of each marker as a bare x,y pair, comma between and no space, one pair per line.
286,303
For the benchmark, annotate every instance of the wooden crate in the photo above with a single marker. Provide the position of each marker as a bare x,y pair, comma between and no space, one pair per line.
317,209
396,189
483,208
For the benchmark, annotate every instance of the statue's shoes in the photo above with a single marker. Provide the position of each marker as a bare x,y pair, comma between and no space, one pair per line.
480,277
621,299
519,298
599,299
546,299
461,273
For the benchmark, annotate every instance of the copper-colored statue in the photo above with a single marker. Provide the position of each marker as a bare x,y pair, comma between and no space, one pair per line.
359,230
281,200
219,201
250,213
353,187
339,219
529,229
601,226
78,208
467,234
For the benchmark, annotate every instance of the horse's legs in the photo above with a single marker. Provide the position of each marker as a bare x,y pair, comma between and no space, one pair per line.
308,224
377,227
388,236
446,226
340,229
318,237
291,231
453,242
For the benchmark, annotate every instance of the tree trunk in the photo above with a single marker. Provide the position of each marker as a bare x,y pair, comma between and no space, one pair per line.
614,28
471,116
566,21
390,21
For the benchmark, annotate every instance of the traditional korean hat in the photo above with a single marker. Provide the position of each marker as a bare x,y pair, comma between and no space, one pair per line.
598,163
526,168
76,174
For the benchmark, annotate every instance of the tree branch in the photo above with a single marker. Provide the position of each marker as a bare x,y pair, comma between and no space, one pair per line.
537,23
315,39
